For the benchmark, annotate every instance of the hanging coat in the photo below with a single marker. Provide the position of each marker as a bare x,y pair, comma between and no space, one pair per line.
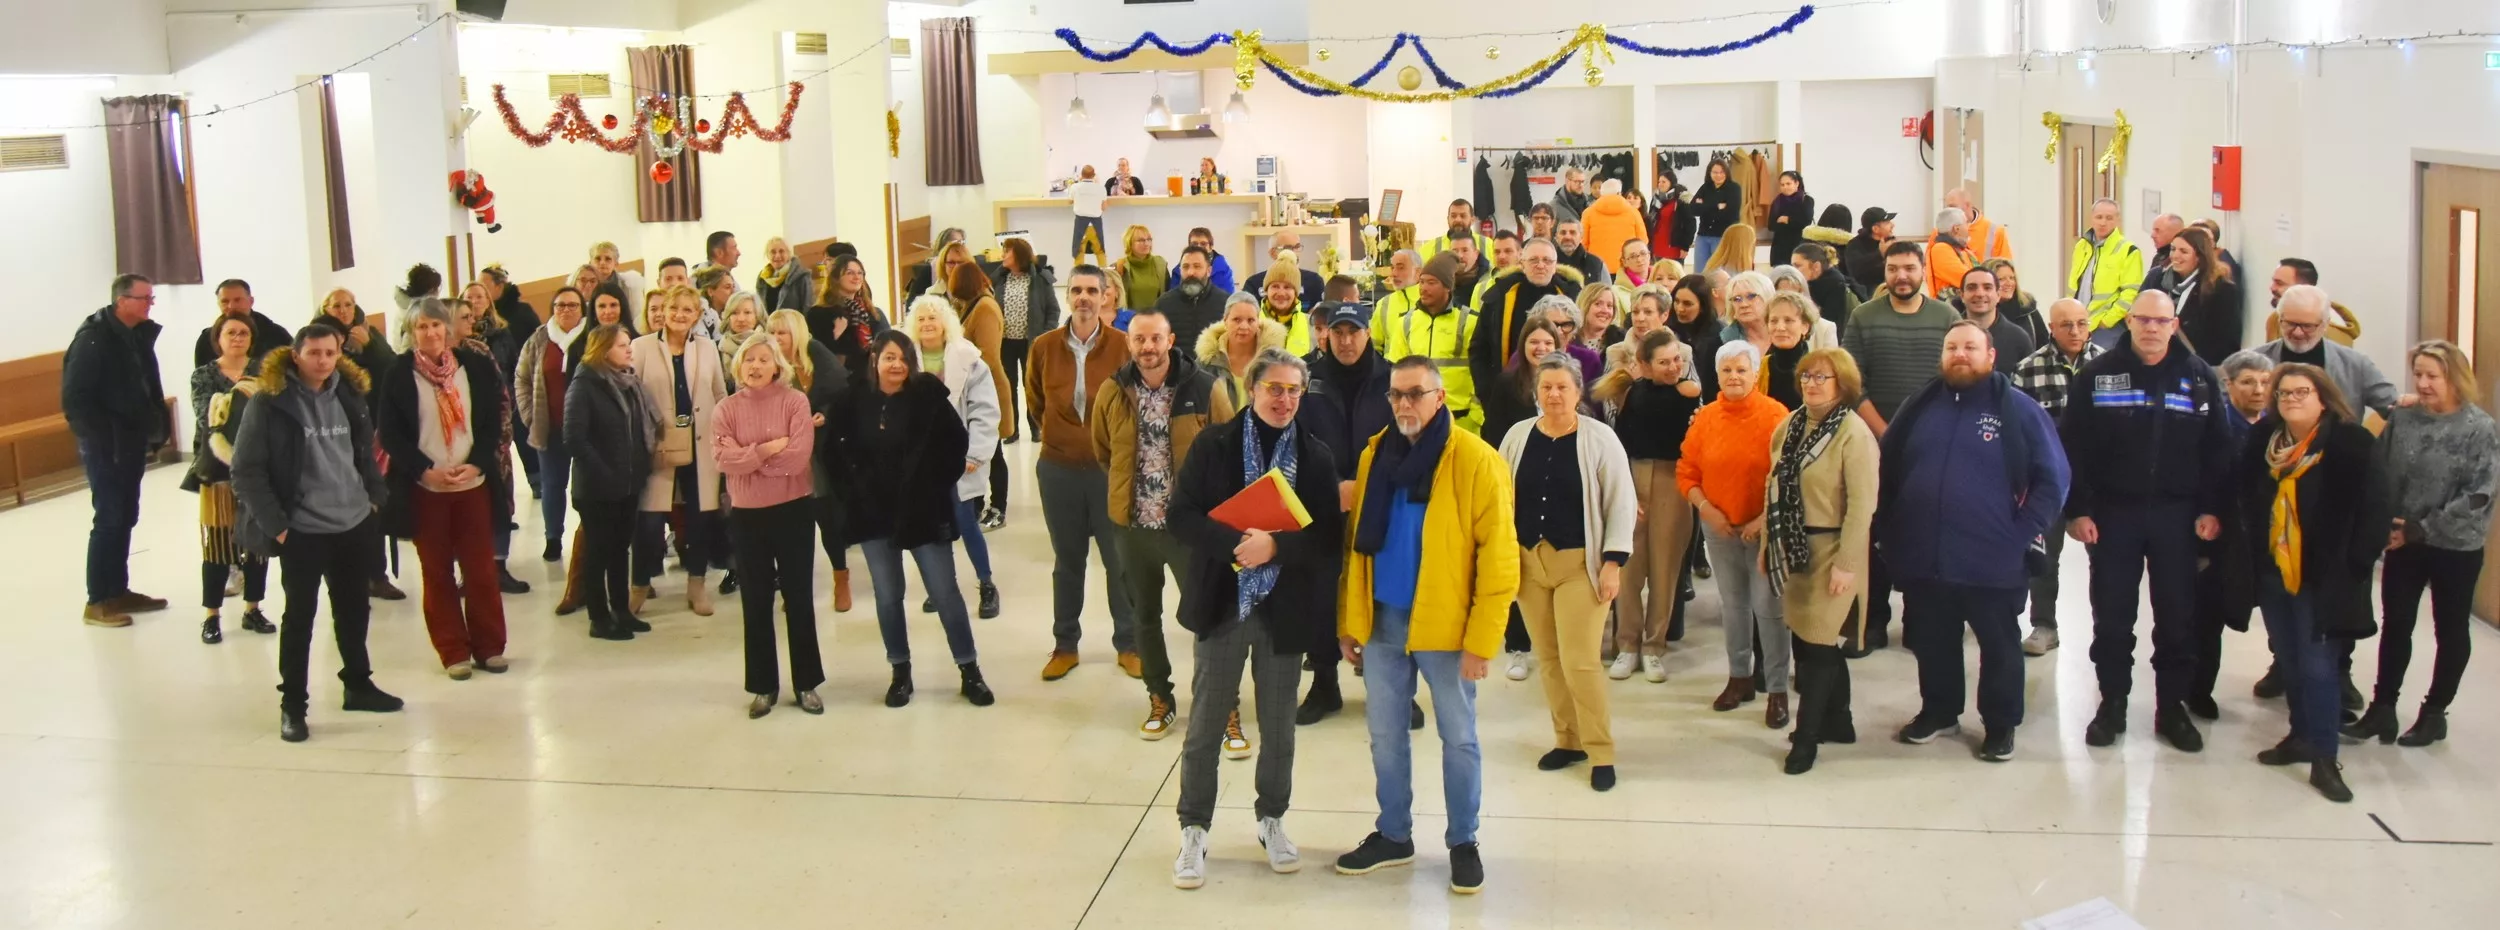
1483,201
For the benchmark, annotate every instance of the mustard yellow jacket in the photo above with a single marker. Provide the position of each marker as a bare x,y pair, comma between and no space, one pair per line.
1470,569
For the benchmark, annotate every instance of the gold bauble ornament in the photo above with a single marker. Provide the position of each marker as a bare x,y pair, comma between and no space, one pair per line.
1323,54
662,123
1492,51
1409,78
1595,77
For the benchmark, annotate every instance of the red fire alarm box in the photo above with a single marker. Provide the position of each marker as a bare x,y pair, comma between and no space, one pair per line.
2226,177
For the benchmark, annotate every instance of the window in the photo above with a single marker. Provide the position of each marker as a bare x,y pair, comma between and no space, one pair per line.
2465,244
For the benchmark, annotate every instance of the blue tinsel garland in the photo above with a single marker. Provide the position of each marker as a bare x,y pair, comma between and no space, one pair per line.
1439,76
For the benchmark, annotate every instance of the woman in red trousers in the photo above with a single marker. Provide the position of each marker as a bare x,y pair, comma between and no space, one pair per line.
440,416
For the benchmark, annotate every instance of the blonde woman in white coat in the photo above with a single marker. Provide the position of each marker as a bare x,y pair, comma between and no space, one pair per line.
681,382
945,352
1575,515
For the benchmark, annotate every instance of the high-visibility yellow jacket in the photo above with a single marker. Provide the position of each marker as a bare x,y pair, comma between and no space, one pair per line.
1391,308
2116,268
1442,338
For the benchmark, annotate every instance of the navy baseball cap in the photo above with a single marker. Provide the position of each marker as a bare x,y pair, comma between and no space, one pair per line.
1333,312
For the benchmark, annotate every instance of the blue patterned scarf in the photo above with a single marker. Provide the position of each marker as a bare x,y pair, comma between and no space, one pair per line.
1255,584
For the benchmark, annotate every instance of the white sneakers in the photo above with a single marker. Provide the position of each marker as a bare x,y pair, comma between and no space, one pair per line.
2041,640
1189,869
1282,855
1624,663
1518,670
1654,668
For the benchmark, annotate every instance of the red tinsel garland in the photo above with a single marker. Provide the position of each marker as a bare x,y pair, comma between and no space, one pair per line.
569,123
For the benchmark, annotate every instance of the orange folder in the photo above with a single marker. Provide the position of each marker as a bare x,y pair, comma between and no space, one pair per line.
1268,504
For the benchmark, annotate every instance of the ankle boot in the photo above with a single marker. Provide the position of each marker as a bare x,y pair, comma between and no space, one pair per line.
604,626
842,591
2328,777
899,693
2378,722
1739,690
2430,727
976,690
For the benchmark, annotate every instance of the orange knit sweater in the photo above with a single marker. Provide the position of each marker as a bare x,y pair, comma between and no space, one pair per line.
1727,454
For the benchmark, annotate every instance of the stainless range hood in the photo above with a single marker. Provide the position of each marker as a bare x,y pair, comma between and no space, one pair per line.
1199,125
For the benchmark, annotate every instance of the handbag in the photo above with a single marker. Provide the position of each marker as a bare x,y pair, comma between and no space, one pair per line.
677,438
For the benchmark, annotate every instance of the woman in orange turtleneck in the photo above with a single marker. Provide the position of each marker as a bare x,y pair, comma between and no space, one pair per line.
1726,460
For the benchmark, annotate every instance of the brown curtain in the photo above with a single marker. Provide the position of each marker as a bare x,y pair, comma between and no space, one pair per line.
669,69
334,181
147,147
949,75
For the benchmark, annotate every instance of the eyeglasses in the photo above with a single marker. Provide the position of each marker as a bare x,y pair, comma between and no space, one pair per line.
1415,396
2298,393
1280,390
2291,327
1745,298
2153,322
2072,325
1816,379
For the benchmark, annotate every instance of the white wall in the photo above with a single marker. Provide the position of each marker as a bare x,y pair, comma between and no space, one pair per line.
1585,115
2330,136
64,227
1712,114
84,36
1853,152
1313,137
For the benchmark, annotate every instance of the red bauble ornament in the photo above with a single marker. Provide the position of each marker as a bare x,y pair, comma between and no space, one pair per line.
703,126
608,121
663,172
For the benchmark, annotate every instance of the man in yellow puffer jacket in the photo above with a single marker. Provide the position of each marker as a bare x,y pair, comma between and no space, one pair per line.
1431,568
2108,270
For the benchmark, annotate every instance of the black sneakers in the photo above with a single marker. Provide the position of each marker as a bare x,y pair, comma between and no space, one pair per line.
1997,745
2328,777
2107,723
1922,731
372,700
1378,852
1467,869
1560,759
257,622
2172,724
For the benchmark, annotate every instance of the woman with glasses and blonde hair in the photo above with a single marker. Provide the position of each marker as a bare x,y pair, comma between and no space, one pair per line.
1818,523
1139,272
681,381
973,390
2440,455
602,269
2312,490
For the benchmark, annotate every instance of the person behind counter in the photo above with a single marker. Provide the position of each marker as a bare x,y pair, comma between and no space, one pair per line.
1124,183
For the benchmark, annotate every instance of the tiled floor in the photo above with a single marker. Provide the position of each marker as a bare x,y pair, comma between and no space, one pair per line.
605,785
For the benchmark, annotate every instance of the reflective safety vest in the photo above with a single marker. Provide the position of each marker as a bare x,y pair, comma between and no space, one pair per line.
1297,331
1444,339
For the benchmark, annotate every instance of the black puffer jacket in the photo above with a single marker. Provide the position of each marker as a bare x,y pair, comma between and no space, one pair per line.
111,390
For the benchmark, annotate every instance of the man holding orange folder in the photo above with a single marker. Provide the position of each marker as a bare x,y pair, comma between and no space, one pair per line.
1256,505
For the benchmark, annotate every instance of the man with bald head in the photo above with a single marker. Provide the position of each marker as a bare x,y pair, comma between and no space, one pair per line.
1405,267
1312,283
2048,375
2146,435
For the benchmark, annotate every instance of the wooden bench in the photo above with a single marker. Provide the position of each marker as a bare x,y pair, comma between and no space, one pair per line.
36,434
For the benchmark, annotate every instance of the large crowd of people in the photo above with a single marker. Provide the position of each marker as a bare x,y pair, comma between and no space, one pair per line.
1524,452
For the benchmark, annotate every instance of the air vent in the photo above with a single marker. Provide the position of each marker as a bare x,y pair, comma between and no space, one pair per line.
28,153
900,48
580,85
811,43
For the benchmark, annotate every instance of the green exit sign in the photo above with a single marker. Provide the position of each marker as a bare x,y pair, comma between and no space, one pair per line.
2491,61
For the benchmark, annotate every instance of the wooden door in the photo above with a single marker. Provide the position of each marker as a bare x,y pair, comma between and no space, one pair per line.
2080,181
2460,295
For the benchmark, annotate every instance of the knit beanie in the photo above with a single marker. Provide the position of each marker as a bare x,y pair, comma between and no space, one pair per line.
1443,268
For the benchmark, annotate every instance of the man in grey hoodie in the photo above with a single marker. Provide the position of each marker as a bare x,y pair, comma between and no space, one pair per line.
307,488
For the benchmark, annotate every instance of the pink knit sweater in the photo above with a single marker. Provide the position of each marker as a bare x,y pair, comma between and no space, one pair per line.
743,423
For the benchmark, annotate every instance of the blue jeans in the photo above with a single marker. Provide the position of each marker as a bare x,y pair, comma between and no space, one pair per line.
968,525
114,466
937,574
1389,689
555,480
2313,688
1703,246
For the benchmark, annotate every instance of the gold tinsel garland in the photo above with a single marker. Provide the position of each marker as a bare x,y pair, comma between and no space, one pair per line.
893,135
1249,53
2057,133
2114,158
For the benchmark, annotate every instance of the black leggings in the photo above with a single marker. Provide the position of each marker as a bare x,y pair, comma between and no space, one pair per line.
213,582
2450,575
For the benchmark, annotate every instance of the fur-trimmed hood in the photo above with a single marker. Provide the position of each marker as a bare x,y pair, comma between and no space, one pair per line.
1272,335
275,366
1561,271
1828,236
